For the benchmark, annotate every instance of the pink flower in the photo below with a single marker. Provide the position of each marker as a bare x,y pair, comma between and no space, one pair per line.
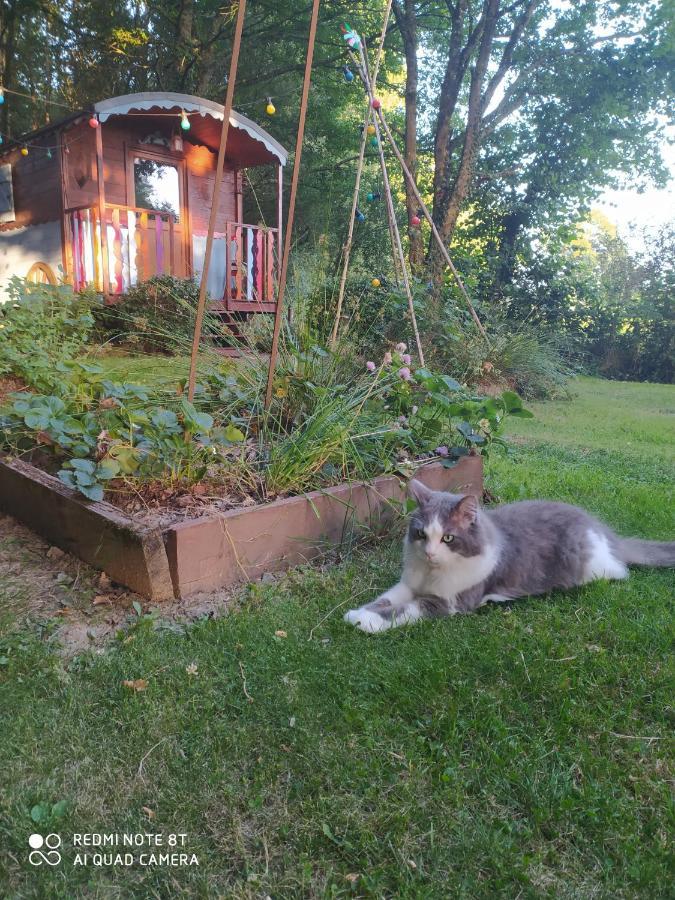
406,358
404,373
442,451
403,420
400,348
370,365
387,359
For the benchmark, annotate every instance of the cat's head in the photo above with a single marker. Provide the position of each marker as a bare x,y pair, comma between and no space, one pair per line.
444,526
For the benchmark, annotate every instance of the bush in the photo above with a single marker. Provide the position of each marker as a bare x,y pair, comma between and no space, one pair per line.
156,316
43,328
525,359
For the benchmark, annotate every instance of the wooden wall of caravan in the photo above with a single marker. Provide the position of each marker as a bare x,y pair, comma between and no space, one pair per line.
201,170
35,183
79,166
122,136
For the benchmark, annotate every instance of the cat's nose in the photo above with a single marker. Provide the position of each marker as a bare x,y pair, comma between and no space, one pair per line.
430,555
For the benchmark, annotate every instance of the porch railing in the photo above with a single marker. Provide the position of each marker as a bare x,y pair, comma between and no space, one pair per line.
243,273
140,243
251,264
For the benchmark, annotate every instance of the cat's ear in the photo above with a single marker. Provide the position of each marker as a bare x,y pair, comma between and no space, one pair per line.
466,511
419,492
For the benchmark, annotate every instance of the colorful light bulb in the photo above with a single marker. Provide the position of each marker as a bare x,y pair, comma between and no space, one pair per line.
93,122
270,109
376,282
184,121
24,150
347,74
371,130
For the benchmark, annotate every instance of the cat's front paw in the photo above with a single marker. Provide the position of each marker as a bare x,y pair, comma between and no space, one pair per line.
368,620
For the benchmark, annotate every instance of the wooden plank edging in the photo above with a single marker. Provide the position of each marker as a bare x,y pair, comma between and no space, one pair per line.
203,554
97,533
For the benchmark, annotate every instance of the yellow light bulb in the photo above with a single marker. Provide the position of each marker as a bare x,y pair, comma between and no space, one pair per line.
270,109
24,151
371,130
376,282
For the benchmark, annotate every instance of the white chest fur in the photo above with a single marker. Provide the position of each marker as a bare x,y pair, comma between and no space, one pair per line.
450,577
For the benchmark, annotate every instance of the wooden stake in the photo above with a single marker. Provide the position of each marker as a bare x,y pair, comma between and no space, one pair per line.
291,202
215,201
100,183
434,230
394,223
357,186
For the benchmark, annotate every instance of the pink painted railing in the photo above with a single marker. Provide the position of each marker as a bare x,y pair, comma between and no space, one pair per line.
251,266
140,243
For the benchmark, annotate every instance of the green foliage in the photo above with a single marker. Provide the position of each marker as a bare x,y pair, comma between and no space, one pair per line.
157,315
42,328
522,750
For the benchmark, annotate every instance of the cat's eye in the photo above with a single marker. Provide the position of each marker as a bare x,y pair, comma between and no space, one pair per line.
448,538
420,534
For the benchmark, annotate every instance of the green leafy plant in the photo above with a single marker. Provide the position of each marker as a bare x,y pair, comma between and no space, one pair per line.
157,315
42,329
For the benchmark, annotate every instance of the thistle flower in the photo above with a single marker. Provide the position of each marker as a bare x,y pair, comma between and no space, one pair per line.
442,451
401,347
406,358
387,358
404,373
484,424
370,365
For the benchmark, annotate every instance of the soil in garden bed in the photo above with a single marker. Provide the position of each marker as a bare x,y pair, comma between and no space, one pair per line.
160,504
8,385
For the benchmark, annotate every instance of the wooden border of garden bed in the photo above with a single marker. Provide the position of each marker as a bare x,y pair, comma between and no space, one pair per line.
203,554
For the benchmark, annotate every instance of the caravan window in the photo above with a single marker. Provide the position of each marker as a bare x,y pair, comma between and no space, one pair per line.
157,185
6,194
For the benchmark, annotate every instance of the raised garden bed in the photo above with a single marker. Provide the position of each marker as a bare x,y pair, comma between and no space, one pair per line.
210,552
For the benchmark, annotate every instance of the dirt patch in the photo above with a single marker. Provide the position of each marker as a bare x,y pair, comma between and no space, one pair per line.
8,385
42,585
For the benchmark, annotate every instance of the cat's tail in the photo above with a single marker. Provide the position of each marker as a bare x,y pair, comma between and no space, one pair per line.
646,553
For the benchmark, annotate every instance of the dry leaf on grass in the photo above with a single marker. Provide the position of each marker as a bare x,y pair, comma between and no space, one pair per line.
353,877
150,813
101,598
138,684
192,669
280,633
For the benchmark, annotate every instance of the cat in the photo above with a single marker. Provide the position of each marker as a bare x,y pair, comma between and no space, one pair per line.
458,556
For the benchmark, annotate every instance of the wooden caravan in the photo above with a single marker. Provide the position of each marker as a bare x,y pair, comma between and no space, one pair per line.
111,196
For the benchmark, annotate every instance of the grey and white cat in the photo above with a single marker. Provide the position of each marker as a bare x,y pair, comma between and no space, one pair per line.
458,556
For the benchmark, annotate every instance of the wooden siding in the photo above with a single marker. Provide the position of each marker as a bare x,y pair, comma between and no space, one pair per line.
201,170
36,185
40,194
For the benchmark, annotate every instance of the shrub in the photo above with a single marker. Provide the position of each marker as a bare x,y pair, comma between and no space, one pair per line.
157,315
43,328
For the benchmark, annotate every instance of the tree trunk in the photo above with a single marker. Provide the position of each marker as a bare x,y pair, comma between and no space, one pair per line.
8,25
448,202
406,20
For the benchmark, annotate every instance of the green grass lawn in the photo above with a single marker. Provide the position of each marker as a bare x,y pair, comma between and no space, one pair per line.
521,752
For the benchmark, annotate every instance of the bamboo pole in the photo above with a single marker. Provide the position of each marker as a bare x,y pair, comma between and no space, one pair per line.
215,201
434,230
291,202
347,249
390,200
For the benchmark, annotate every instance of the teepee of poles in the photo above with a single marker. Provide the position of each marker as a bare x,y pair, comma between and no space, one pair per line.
373,118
